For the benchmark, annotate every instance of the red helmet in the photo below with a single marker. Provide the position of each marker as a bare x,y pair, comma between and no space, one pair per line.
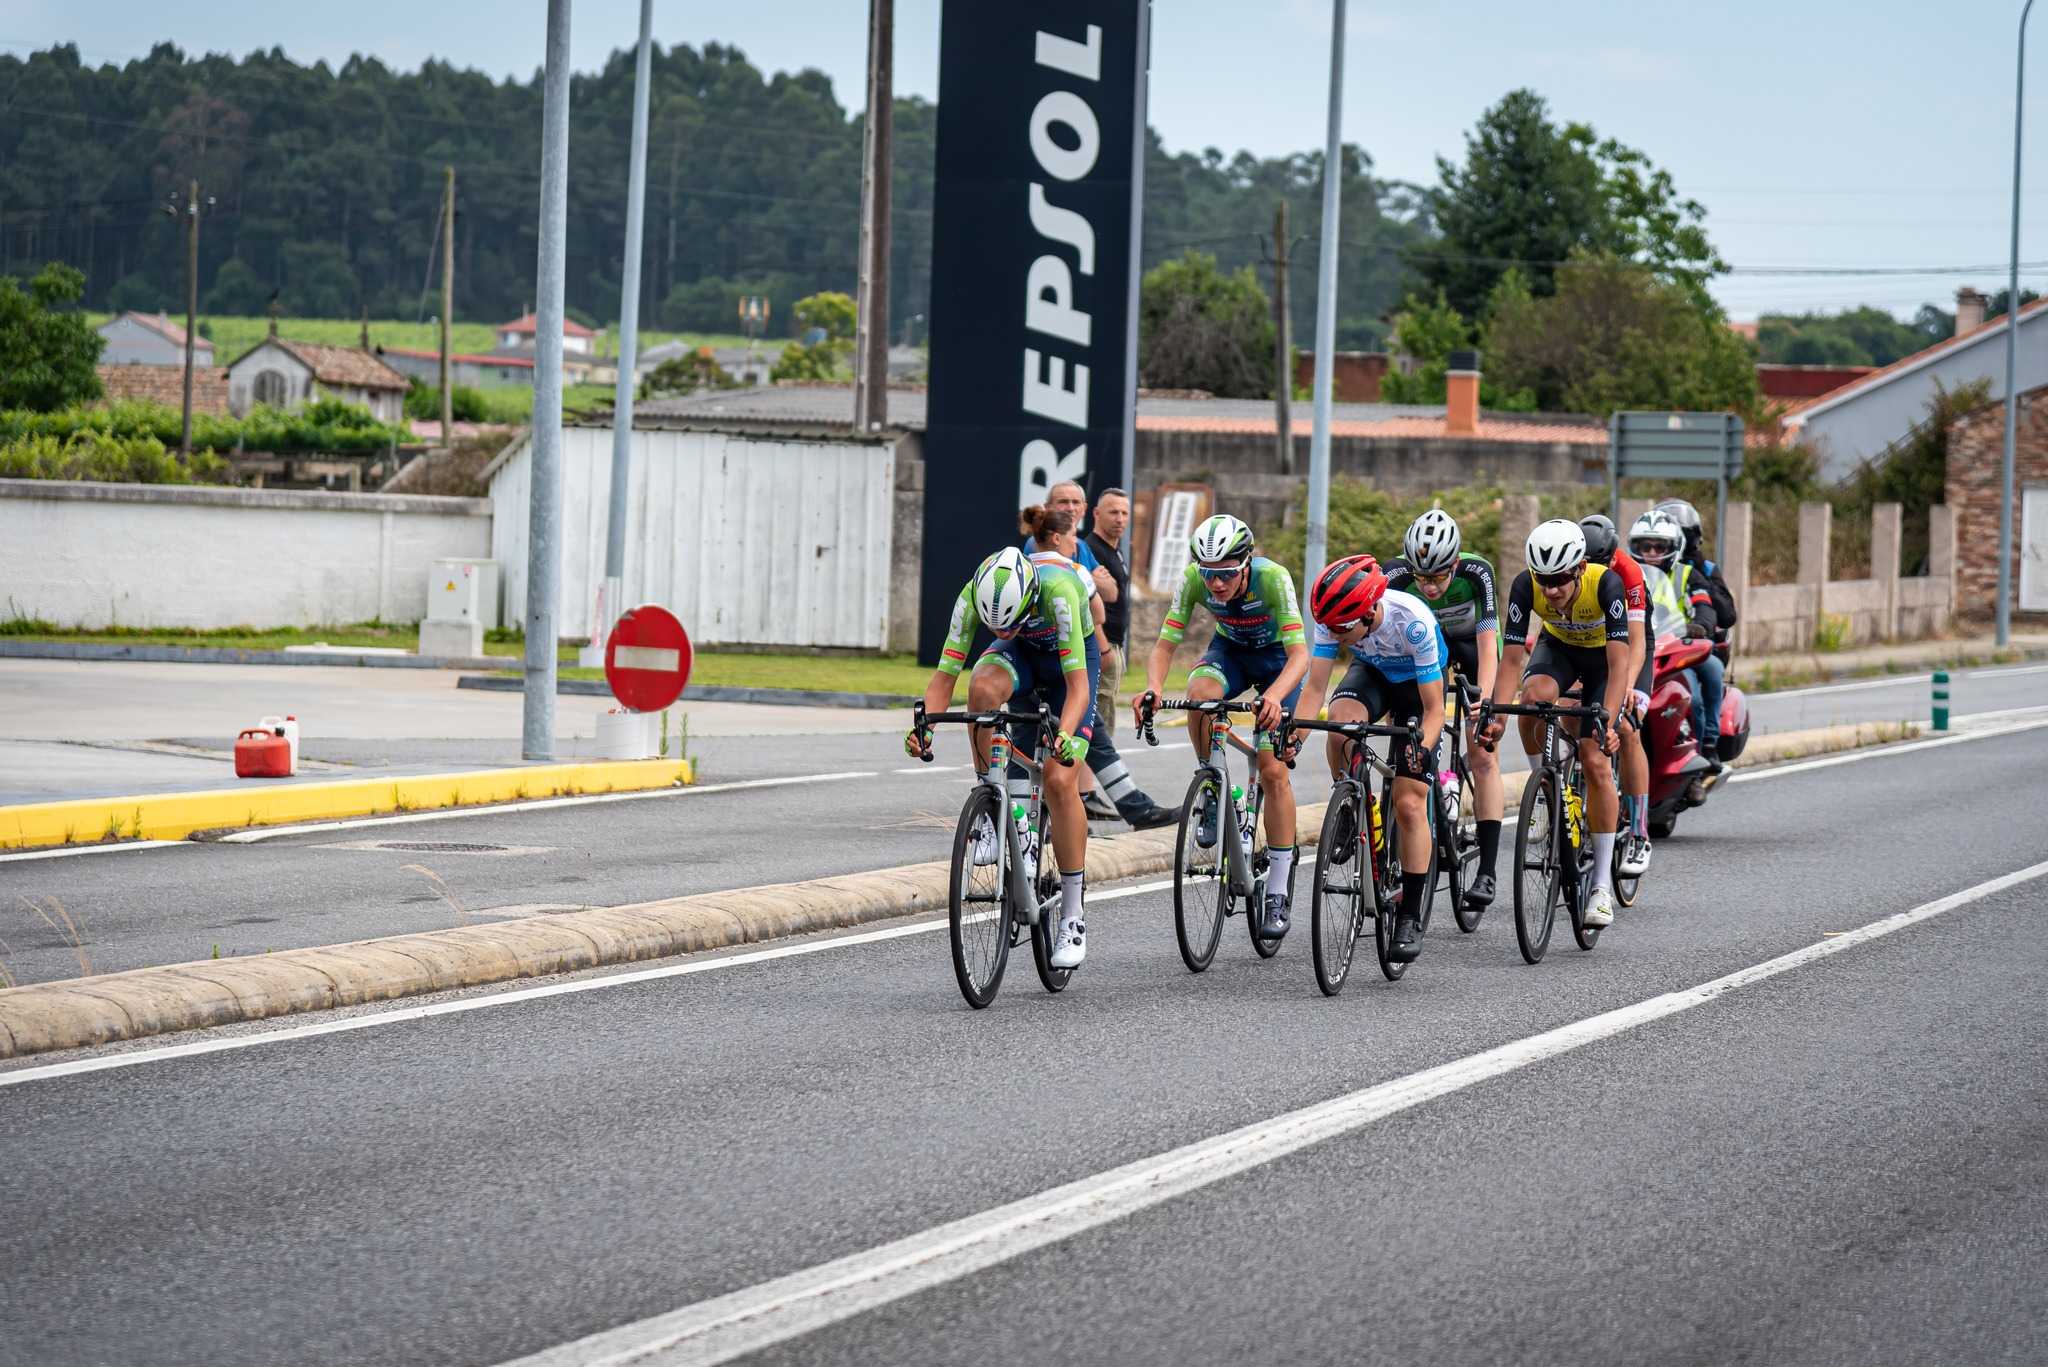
1347,591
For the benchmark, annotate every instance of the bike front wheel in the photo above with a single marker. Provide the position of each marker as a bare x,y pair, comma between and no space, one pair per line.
1539,874
1337,897
979,901
1201,883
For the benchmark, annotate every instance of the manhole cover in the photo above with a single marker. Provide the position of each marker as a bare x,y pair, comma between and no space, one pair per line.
435,847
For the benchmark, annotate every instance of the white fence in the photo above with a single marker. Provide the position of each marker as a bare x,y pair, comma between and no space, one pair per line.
749,540
148,555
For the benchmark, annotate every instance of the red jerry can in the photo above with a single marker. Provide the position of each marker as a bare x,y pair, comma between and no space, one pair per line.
261,753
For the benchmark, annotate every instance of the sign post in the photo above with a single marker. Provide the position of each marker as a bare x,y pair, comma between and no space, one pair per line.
1674,446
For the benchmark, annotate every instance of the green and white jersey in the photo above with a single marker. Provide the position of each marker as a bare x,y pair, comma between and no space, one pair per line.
1266,613
1470,602
1059,622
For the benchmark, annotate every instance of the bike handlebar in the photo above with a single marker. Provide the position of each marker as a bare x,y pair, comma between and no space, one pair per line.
1490,709
1214,707
923,721
1359,730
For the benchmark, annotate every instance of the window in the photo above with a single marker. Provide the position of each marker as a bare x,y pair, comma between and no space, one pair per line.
271,388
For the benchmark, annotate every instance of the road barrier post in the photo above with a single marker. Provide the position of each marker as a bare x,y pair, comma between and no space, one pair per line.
1941,700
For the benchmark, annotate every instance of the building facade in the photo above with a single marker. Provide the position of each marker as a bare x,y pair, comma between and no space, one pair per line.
149,339
280,373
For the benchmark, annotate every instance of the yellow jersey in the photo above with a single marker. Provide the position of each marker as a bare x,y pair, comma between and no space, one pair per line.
1596,613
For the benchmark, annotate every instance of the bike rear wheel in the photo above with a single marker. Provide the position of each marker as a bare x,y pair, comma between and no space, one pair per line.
1625,885
1581,884
1538,872
1201,886
1255,911
979,903
1053,979
1388,866
1337,897
1460,846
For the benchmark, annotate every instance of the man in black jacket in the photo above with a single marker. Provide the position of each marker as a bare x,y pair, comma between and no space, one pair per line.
1699,572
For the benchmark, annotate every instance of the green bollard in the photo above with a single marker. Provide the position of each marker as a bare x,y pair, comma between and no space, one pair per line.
1941,700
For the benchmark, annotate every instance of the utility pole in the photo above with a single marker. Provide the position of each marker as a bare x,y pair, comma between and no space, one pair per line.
2012,342
191,311
610,604
447,300
1283,343
871,332
1326,310
544,508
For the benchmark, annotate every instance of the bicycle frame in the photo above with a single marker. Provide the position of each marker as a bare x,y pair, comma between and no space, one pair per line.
1237,852
1563,759
1002,754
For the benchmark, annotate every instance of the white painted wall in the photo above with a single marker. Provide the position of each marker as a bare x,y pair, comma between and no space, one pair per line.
93,555
749,540
130,343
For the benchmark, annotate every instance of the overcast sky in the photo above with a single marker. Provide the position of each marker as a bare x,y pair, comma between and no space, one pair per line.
1816,132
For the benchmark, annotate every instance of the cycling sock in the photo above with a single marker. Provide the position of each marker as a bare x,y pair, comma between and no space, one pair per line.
1489,846
1603,858
1279,863
1411,892
1070,896
1639,816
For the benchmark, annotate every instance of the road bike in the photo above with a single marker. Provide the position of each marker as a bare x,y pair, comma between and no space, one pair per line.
1364,859
1457,821
1553,850
994,905
1227,876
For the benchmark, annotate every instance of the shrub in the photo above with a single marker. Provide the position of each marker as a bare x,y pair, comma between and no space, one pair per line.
328,426
423,401
90,455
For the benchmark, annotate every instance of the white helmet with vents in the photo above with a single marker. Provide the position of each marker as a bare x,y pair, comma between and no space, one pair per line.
1220,540
1432,543
1556,547
1656,538
1005,589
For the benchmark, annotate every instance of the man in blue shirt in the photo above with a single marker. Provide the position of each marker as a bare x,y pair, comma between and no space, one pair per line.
1132,803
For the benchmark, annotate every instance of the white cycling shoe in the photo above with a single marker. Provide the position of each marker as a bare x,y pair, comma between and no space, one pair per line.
1600,909
985,841
1070,946
1635,856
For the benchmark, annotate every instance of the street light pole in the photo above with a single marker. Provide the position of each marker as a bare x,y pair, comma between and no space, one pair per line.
871,329
2012,345
1326,311
544,503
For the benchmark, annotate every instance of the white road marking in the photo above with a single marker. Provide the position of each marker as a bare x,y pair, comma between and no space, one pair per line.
1996,673
1896,681
1881,752
758,1317
538,805
67,851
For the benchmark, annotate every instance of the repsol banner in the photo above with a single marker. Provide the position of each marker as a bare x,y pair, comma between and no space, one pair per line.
1032,380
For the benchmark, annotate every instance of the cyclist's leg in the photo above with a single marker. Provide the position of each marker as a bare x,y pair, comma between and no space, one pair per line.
1355,699
999,674
1545,678
1412,767
1635,761
1068,818
1603,803
1488,801
1273,775
1215,676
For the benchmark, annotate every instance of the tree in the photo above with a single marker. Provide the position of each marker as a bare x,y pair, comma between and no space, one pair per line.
1859,336
1531,193
47,355
237,291
832,314
1995,306
1199,328
1427,332
1615,335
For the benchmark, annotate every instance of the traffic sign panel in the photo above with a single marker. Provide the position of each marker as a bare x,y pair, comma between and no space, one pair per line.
647,658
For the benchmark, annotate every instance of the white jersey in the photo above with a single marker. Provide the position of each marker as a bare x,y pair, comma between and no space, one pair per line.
1056,559
1408,644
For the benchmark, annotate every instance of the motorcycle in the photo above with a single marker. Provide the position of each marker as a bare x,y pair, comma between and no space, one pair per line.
1680,776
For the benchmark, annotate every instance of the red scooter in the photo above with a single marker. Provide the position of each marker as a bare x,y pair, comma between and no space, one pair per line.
1680,776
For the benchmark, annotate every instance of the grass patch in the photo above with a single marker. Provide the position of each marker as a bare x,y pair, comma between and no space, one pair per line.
231,336
389,634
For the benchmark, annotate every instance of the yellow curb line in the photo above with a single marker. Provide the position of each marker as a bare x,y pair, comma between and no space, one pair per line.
149,1001
173,816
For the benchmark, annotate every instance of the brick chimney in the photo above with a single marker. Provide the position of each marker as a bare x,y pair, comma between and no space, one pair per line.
1970,306
1461,394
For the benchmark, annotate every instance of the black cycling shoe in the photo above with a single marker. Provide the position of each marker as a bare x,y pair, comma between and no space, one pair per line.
1145,814
1480,894
1275,924
1407,945
1345,838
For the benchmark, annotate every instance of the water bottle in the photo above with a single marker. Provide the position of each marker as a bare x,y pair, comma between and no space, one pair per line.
1027,840
1378,837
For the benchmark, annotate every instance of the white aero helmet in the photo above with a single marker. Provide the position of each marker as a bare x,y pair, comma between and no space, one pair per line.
1556,547
1005,589
1659,529
1220,540
1431,546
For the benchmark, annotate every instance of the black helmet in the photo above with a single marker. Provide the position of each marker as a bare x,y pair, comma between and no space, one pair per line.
1601,538
1688,519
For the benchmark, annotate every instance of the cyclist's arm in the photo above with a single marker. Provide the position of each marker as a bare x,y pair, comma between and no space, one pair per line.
1488,640
1621,637
1278,589
1432,694
1487,633
1067,613
1322,659
1292,673
1521,608
1174,629
938,694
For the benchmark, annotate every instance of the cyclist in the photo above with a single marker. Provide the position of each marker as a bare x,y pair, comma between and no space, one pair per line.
1695,575
1603,547
1582,613
1259,644
1039,617
1397,669
1458,587
1658,541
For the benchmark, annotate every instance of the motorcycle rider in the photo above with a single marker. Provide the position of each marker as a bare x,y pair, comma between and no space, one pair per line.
1658,541
1693,573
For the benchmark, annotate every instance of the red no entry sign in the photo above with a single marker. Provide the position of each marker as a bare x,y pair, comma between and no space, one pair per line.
647,659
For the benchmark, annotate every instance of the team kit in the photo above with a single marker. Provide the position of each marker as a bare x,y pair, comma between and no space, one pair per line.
1421,649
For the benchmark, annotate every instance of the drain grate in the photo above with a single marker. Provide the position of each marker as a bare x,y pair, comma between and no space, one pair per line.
440,847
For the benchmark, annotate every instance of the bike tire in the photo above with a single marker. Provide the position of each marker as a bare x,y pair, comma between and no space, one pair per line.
1387,871
1581,888
1537,878
1255,911
1462,848
1052,979
980,936
1625,886
1337,895
1201,885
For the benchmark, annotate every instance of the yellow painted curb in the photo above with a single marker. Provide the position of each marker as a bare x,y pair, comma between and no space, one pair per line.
149,1001
173,816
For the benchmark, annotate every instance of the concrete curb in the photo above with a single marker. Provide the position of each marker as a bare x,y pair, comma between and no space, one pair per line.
783,697
173,816
229,655
190,996
1906,660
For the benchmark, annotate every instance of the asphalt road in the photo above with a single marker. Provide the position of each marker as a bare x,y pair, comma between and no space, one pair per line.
861,805
1843,1163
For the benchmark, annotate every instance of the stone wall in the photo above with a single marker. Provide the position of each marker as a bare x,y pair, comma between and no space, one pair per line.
1976,460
